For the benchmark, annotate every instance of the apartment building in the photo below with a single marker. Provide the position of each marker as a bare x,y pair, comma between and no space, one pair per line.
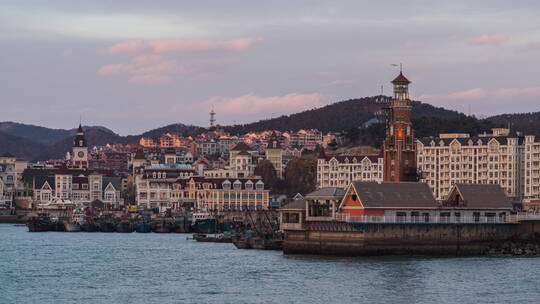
340,171
497,158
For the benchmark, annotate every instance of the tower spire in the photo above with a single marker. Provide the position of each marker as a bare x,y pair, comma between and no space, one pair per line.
212,118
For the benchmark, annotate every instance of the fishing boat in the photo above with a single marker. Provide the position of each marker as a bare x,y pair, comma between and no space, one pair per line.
162,225
143,227
39,223
71,226
125,225
203,222
220,238
107,223
182,224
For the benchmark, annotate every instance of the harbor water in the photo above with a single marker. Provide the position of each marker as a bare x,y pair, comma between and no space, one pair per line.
56,267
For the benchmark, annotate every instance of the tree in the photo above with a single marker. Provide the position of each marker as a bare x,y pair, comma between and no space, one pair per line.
301,174
266,170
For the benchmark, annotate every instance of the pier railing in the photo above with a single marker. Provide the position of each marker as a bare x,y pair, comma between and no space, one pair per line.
514,218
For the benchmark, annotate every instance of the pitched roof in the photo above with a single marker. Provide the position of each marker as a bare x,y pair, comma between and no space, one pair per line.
241,146
273,142
295,205
327,193
400,79
483,196
139,154
395,195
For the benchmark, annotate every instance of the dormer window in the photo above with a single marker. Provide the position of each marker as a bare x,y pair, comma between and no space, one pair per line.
259,185
227,185
249,185
237,185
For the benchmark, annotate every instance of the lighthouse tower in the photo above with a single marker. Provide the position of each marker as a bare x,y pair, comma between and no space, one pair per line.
399,145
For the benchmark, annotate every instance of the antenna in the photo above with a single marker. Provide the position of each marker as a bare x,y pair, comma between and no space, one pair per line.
400,67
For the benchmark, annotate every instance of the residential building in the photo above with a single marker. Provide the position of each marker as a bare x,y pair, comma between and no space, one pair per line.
274,154
212,194
497,158
340,171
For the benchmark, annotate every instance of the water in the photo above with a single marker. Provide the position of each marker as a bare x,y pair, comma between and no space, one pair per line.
56,267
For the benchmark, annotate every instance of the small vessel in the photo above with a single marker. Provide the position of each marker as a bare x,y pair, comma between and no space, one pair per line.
89,226
162,225
107,223
125,225
143,227
221,238
72,226
202,222
39,223
182,225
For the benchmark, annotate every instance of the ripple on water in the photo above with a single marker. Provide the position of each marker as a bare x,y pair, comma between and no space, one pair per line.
167,268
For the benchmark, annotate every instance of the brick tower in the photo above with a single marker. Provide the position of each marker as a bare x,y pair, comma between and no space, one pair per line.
399,145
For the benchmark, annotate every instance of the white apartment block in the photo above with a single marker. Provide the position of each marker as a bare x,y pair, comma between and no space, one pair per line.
340,171
511,161
531,176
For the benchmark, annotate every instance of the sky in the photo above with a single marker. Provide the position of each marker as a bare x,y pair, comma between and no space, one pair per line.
136,65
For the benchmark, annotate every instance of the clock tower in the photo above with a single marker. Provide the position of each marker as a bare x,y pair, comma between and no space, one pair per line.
399,145
79,157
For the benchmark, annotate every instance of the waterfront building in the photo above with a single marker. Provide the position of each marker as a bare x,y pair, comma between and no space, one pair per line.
399,145
340,171
509,160
274,154
390,199
203,193
76,185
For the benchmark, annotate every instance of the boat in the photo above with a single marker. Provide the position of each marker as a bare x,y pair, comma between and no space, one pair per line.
89,226
107,223
143,227
162,225
125,225
57,224
221,238
39,223
202,222
71,226
182,225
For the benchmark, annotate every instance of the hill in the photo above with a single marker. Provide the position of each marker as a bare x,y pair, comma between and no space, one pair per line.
20,147
528,123
338,116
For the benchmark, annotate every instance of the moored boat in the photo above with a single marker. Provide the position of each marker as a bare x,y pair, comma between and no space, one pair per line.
107,223
182,225
39,223
125,225
162,225
143,227
71,226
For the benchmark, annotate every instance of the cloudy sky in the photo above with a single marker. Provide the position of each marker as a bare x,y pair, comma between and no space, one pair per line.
136,65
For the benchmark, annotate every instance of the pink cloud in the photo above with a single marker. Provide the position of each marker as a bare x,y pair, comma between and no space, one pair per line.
114,69
482,94
251,104
241,45
150,79
147,58
343,82
126,47
494,39
193,45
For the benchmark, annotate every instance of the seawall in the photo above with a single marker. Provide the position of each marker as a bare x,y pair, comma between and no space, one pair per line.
338,238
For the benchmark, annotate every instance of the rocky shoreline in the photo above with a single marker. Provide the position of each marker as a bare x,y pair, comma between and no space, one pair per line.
516,247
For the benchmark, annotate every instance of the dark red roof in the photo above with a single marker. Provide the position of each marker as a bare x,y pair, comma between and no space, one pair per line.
401,79
241,146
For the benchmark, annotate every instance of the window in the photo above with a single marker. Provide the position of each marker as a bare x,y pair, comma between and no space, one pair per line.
259,186
249,186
